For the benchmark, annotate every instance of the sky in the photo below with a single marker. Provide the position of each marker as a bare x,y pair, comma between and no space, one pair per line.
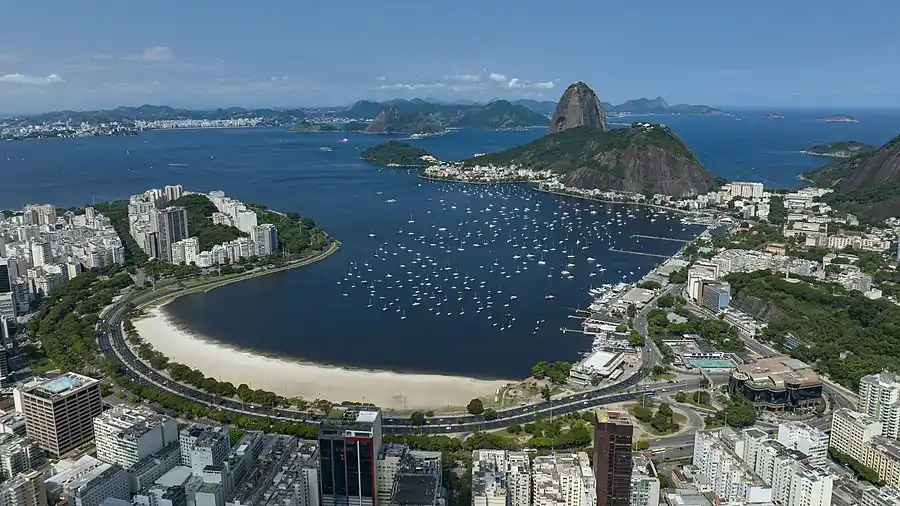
286,53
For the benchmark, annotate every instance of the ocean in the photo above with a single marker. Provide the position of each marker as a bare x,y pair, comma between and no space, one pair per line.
448,278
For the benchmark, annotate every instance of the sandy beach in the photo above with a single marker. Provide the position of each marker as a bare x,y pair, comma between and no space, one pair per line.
386,389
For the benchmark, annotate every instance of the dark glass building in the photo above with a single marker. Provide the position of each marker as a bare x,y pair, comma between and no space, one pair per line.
349,444
612,457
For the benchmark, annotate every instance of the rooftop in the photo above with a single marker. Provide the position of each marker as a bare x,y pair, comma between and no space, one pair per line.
131,422
80,473
61,385
779,370
616,417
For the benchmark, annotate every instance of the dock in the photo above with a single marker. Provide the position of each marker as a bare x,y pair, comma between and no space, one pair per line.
638,253
641,236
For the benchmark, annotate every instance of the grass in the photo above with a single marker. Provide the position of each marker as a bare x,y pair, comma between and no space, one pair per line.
678,418
663,377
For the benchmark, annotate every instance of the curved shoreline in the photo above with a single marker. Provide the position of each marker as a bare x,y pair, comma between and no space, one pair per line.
294,378
226,362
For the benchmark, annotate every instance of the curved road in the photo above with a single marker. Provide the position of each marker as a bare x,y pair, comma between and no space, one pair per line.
113,344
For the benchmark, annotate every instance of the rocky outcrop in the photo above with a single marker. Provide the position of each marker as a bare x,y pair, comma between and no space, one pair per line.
578,106
383,121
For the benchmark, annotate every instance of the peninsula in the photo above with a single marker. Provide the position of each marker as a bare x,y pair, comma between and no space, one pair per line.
843,149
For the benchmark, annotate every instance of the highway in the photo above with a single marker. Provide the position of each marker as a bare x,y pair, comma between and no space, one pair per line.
112,343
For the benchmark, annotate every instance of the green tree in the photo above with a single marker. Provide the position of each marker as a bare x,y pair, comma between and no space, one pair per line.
665,301
636,340
417,418
475,407
490,414
546,393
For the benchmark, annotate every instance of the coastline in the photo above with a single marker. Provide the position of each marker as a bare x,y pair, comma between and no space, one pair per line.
391,390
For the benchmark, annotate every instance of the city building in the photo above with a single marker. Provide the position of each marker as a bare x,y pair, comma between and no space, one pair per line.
125,434
409,477
59,412
87,482
880,496
613,433
809,440
501,478
852,432
777,383
349,441
265,236
170,225
203,445
714,295
644,483
723,466
18,454
598,364
879,397
25,489
563,478
699,272
883,456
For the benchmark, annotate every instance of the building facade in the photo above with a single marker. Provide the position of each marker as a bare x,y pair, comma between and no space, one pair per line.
59,412
349,443
125,435
613,432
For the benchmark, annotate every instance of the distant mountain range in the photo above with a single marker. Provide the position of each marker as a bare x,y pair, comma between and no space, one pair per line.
418,116
656,106
164,112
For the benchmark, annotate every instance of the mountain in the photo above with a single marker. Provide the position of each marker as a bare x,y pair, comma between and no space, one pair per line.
843,149
642,158
421,116
545,107
163,112
867,184
578,106
659,106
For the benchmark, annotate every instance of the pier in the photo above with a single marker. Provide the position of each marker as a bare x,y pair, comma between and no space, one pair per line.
641,236
617,250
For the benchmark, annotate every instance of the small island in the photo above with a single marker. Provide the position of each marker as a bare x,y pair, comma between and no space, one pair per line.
772,115
839,118
843,149
398,154
309,126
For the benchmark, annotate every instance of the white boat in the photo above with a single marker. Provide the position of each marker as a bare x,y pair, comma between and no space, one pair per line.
591,259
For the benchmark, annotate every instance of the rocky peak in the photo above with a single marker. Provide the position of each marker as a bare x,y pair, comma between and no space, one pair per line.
578,106
384,120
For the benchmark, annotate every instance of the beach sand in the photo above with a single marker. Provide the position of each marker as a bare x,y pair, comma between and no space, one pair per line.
390,390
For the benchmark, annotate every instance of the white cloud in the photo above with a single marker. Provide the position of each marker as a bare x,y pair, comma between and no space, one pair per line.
465,78
514,83
157,53
497,78
31,80
414,86
546,85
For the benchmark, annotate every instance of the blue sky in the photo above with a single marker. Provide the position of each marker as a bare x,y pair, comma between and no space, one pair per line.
203,53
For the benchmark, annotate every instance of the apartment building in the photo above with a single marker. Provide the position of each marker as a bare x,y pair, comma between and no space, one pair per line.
852,431
25,489
879,397
59,412
203,445
809,440
125,434
18,454
564,478
644,483
880,496
501,478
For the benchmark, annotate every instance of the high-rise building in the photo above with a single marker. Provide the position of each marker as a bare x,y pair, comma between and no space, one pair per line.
563,478
172,192
501,478
203,445
126,434
25,489
699,272
714,295
880,496
809,440
41,253
170,225
349,443
59,412
5,276
879,397
265,237
644,483
852,431
18,454
613,433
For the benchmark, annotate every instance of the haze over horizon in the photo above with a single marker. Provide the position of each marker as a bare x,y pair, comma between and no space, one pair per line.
207,54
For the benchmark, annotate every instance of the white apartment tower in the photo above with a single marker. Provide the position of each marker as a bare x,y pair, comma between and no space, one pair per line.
500,478
265,237
203,445
809,440
879,397
852,431
41,253
172,192
880,496
127,434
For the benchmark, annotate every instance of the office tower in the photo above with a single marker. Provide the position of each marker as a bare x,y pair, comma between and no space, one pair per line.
126,434
612,457
265,237
41,253
5,276
170,225
59,412
203,445
879,397
25,489
349,442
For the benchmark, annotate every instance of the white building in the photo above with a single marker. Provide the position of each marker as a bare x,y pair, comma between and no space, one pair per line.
745,190
809,440
203,445
644,483
41,253
728,477
125,435
564,478
879,397
880,496
265,237
88,481
18,454
699,272
500,478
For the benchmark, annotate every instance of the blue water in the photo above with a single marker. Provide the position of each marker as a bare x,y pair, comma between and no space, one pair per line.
305,314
